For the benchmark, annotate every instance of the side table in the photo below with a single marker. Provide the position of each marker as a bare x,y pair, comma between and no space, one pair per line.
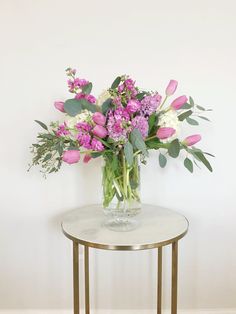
159,227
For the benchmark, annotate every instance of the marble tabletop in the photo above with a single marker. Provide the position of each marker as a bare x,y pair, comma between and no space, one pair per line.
158,227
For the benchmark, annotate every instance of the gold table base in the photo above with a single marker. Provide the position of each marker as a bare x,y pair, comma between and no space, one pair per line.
159,278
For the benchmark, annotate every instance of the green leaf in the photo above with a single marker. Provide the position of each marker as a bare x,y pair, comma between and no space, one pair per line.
185,115
138,142
140,96
174,148
106,105
152,121
192,121
208,154
191,101
188,164
41,124
154,143
204,118
203,159
116,83
73,107
47,157
87,88
129,153
186,106
87,105
162,160
200,108
96,154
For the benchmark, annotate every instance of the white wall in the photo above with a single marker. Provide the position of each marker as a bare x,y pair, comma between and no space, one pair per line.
153,41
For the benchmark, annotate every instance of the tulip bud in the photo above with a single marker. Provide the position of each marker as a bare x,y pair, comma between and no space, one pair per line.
179,102
71,156
59,105
99,118
171,88
192,139
87,158
163,133
99,131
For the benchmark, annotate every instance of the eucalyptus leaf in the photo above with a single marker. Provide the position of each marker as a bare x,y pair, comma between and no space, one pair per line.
191,101
106,105
188,164
87,88
204,118
174,148
186,106
200,156
191,121
138,142
129,153
116,83
162,160
41,124
140,96
73,107
185,115
87,105
200,108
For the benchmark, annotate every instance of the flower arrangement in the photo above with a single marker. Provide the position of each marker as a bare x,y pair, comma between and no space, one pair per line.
122,125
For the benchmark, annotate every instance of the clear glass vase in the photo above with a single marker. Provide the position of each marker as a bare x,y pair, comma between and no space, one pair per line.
121,193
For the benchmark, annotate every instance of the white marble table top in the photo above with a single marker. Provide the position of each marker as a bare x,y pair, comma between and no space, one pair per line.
158,227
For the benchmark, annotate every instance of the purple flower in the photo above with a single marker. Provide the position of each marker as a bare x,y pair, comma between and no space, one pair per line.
129,84
83,126
62,130
133,106
117,101
121,88
89,98
118,124
84,140
97,145
150,103
140,123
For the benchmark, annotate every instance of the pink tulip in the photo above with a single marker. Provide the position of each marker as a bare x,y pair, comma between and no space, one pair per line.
71,156
99,131
87,158
171,88
163,133
99,118
192,139
179,102
59,105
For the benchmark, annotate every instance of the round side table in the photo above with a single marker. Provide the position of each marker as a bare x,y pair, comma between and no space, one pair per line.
159,227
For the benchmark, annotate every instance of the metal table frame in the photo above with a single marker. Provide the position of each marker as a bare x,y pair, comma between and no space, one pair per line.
158,246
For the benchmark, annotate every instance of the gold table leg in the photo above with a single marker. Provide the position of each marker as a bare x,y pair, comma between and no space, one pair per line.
159,280
86,276
174,278
76,276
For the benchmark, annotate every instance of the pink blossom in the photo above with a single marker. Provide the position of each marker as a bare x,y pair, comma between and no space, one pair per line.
171,88
62,130
150,103
59,105
99,131
87,158
84,140
192,139
140,123
83,126
99,118
97,145
163,133
179,102
71,156
121,88
89,98
133,106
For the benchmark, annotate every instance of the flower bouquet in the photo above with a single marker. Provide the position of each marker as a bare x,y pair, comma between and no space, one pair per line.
121,126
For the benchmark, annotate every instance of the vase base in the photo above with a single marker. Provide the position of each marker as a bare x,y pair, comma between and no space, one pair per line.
121,224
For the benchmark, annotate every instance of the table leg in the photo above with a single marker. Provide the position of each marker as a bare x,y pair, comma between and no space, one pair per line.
159,280
174,278
86,276
76,276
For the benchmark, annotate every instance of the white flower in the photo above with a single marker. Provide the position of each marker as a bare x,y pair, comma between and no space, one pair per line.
103,97
84,116
169,119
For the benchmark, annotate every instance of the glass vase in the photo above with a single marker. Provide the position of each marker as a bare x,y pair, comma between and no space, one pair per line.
121,192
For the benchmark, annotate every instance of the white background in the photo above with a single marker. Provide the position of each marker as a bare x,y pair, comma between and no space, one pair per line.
153,41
